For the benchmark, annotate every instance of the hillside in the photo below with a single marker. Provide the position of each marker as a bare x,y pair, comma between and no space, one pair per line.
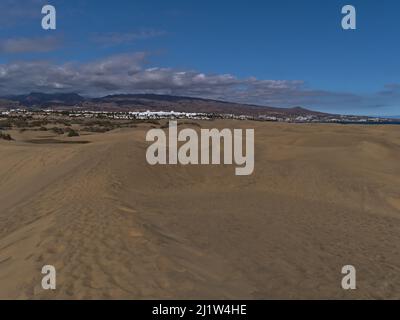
144,102
38,99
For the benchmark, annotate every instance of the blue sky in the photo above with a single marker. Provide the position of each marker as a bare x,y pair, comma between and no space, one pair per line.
271,52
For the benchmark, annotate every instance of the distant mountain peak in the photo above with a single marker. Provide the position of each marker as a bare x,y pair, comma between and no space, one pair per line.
153,102
46,99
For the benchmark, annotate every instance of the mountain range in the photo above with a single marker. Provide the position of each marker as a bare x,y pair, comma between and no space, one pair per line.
144,102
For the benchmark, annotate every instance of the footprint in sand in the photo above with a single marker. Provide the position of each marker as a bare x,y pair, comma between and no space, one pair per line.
126,209
135,233
394,202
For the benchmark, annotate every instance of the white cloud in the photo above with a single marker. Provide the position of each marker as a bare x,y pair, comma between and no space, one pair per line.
130,73
117,38
23,45
18,12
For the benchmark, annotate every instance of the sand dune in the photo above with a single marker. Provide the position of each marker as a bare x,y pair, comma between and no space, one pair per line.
321,197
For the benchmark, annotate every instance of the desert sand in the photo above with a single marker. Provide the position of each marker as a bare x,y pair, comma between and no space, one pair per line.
321,197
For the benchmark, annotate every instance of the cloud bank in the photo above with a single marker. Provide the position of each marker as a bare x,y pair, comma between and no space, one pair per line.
129,73
31,45
11,12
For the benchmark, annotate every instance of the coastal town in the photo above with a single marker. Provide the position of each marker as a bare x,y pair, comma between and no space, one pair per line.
173,115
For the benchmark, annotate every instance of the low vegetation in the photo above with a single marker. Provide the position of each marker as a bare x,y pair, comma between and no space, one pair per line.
5,136
72,133
64,126
58,130
96,129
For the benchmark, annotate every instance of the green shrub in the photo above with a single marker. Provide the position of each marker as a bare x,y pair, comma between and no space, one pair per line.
5,136
20,123
6,123
72,133
57,130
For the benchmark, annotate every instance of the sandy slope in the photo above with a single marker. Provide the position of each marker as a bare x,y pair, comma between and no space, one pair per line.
321,197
